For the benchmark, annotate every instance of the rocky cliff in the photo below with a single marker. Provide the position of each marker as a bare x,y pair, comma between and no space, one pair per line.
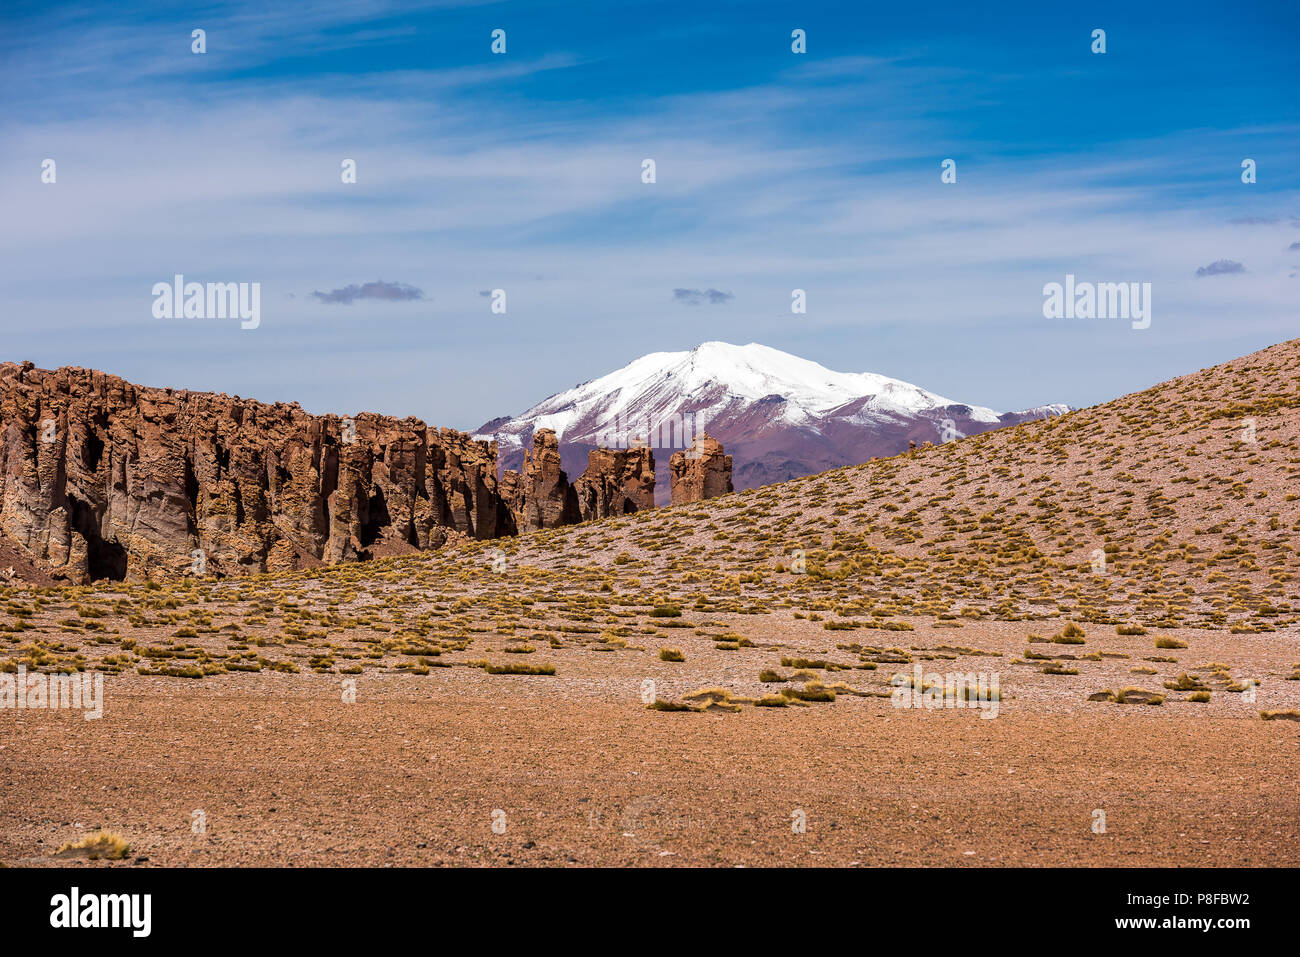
616,482
703,472
540,495
100,478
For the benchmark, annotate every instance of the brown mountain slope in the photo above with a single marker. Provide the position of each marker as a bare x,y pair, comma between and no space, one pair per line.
1191,491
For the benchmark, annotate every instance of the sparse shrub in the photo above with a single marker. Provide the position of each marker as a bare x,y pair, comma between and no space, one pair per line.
812,691
660,705
1290,715
103,844
1139,696
520,669
1059,669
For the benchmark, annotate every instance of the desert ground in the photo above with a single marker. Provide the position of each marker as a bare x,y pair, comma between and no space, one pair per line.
411,773
1127,572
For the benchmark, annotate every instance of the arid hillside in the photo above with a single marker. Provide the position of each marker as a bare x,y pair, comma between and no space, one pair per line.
1172,507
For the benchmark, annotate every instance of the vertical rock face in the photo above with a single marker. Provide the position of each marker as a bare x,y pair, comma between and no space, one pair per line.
540,494
703,472
616,482
100,478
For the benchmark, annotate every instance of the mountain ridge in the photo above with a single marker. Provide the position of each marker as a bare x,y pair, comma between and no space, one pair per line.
780,416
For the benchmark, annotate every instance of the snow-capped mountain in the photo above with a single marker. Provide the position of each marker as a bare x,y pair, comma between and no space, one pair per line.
778,415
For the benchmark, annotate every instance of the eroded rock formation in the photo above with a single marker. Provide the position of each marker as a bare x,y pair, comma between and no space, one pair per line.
540,495
100,478
616,482
703,472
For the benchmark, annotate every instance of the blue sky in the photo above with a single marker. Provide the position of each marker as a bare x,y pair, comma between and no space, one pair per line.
521,171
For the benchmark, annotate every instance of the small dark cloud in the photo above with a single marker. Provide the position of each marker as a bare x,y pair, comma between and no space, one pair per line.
693,297
485,292
1222,267
1294,246
382,291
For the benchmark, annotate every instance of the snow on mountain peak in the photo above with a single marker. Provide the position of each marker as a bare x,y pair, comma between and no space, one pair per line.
779,416
718,377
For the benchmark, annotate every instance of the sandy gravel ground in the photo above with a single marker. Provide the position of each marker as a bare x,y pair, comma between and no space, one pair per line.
413,771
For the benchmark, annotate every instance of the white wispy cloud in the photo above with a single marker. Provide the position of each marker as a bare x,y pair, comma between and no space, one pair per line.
457,193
